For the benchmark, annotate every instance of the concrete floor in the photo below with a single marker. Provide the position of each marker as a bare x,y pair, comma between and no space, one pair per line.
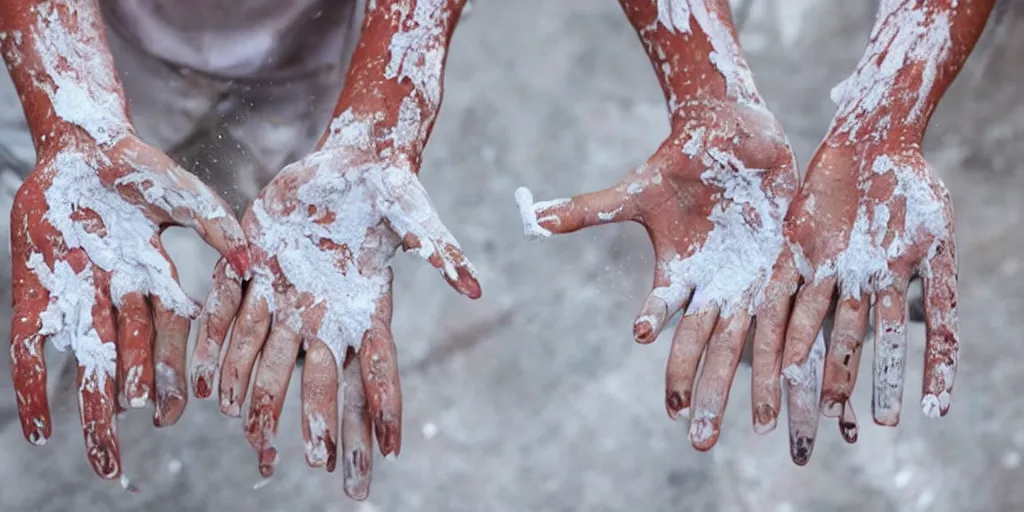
534,398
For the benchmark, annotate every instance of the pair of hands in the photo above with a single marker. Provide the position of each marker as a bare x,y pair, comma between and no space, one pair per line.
308,264
731,223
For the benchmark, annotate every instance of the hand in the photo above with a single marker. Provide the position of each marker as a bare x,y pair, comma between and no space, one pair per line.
323,233
712,199
91,275
868,218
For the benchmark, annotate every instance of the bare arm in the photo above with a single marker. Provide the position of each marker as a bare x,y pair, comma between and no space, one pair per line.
915,52
396,78
58,58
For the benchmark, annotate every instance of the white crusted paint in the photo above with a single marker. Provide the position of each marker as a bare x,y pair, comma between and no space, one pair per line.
374,203
528,213
124,250
68,321
79,80
905,33
417,51
863,267
737,256
316,448
725,54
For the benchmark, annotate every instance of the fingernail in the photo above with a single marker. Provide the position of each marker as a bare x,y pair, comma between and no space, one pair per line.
642,329
703,433
267,458
848,431
765,419
201,387
831,407
104,462
36,431
674,402
229,407
935,406
801,449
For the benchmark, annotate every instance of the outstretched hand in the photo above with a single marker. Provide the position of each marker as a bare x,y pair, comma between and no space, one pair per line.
867,219
91,275
712,199
323,233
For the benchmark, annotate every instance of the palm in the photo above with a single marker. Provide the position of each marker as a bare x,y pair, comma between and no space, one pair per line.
712,199
323,233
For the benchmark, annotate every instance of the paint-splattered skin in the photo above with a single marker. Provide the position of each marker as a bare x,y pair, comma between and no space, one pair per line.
712,199
323,233
90,273
870,215
868,170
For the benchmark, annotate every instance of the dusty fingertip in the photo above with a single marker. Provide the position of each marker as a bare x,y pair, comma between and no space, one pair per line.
37,431
801,449
676,404
848,424
267,461
650,320
704,433
935,406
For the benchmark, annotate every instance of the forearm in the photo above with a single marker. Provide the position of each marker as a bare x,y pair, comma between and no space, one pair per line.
915,52
58,58
694,50
394,84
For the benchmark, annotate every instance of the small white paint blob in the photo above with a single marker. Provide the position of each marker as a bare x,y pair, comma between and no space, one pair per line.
528,213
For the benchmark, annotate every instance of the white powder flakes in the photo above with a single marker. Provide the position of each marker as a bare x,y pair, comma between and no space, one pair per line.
417,51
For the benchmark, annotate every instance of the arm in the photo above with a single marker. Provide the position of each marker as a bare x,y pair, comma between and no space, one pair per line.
58,58
915,52
694,50
396,79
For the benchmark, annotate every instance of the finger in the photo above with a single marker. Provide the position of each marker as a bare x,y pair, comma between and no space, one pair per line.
809,310
97,392
356,439
688,344
218,312
379,366
942,325
802,396
667,297
247,339
890,354
135,336
415,220
277,360
175,196
769,339
28,363
320,405
843,359
723,355
560,216
848,423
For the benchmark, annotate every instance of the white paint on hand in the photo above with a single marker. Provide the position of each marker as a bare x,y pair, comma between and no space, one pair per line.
528,213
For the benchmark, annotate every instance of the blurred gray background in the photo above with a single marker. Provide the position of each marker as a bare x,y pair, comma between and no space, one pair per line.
534,398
